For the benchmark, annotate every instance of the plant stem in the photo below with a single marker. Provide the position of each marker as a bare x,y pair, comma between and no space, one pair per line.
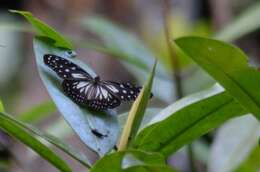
176,70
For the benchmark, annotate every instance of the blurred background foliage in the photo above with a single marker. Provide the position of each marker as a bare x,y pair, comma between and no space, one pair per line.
118,45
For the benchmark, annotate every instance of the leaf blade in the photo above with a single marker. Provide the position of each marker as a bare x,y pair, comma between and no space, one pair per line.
234,74
38,112
45,30
129,161
186,120
29,140
2,109
53,140
245,23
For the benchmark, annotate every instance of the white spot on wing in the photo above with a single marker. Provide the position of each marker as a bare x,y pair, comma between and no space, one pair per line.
78,75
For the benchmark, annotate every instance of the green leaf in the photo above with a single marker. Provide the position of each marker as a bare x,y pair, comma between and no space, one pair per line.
126,160
229,66
150,168
1,107
149,114
247,22
82,120
45,30
136,113
53,140
186,120
38,112
231,147
252,162
68,149
19,133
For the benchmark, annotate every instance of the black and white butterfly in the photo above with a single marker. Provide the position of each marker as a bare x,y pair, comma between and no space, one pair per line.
86,90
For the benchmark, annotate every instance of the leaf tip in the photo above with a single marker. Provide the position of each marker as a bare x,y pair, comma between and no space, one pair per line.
2,109
20,12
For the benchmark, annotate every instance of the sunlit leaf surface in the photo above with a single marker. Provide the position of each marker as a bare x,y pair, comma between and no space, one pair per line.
187,119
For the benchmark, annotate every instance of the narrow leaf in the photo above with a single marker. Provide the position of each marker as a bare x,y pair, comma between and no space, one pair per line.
1,107
53,140
245,23
186,120
45,30
229,66
79,118
38,112
66,148
19,133
136,113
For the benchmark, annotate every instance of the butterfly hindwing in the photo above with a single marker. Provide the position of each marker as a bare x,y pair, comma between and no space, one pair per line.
87,93
124,91
64,68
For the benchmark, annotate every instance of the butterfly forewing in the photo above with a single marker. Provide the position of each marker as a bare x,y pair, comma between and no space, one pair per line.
65,69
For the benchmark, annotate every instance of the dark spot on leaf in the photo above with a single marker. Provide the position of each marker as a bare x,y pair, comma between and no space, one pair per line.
98,134
115,147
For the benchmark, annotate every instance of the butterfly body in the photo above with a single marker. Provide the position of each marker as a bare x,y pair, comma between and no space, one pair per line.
83,89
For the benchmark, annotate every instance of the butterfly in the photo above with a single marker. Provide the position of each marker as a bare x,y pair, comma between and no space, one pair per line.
84,89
